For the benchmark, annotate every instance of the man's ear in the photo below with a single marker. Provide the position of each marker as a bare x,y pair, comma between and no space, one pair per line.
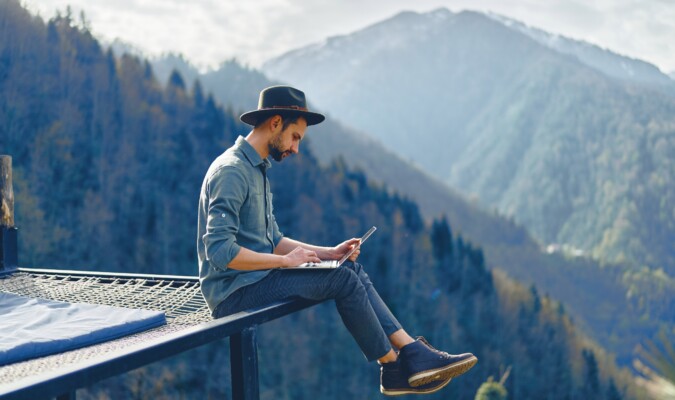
275,122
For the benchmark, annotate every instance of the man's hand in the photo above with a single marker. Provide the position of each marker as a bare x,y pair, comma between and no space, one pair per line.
300,256
344,247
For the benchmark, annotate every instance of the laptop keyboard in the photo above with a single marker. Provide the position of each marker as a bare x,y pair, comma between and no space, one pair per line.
322,264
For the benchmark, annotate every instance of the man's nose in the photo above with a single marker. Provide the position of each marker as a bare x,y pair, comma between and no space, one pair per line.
295,149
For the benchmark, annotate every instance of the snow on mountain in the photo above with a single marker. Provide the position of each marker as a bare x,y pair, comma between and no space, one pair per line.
607,62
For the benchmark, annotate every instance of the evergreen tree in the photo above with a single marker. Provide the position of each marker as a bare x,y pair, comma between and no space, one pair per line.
108,167
176,80
590,388
612,391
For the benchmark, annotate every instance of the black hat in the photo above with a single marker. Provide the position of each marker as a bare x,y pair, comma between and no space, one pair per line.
281,100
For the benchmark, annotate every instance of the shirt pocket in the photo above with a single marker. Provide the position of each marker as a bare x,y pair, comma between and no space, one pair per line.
253,214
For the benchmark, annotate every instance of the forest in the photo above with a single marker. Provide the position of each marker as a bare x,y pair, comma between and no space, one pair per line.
621,305
107,166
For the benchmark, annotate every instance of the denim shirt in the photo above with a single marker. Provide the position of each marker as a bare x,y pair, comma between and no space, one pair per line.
235,210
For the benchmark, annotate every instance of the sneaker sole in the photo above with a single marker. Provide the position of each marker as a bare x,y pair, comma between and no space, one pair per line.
400,392
439,374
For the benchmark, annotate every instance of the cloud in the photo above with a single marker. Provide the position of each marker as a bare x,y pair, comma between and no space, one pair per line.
210,31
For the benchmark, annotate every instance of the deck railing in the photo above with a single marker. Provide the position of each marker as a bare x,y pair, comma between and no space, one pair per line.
61,379
61,375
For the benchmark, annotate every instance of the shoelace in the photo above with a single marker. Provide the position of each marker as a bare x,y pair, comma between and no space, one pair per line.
442,353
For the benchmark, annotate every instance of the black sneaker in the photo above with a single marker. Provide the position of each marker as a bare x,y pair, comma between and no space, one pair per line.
394,381
424,364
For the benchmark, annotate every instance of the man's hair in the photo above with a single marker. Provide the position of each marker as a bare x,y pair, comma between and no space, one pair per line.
285,121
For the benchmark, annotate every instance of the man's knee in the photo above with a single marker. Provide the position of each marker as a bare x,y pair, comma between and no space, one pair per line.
354,266
347,275
348,281
360,272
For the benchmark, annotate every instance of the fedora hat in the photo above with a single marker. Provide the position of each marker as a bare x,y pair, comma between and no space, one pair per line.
284,101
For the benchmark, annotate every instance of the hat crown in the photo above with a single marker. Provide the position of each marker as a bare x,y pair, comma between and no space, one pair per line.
282,97
284,101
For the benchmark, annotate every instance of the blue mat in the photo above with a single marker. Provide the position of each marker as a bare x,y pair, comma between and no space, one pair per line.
31,327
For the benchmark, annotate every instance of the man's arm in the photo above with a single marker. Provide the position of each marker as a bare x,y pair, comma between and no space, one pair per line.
249,260
287,245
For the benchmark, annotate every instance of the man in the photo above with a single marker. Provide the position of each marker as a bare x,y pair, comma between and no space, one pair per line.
244,260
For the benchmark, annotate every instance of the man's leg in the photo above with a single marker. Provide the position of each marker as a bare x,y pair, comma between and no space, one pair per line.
425,368
397,335
353,302
341,284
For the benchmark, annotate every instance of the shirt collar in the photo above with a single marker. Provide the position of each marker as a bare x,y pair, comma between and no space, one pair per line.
251,154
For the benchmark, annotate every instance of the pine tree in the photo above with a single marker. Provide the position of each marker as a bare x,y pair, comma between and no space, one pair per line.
590,388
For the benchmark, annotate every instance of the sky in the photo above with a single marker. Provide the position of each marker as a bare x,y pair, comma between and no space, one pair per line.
208,32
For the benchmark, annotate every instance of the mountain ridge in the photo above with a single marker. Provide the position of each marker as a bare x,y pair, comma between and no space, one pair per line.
369,155
606,61
469,91
107,166
576,281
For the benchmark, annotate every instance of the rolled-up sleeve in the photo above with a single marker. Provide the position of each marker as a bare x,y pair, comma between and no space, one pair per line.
276,234
226,190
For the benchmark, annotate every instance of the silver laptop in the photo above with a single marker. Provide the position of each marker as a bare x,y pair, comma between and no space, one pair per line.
330,264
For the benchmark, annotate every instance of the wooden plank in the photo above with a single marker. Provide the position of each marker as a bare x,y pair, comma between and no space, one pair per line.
6,192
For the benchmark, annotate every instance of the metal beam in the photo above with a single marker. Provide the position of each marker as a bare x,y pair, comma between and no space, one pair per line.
9,255
244,364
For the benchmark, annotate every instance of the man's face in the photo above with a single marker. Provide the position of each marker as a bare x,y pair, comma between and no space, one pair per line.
287,141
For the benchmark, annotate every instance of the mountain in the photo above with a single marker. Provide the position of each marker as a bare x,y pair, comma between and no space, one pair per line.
236,87
174,62
108,164
609,63
120,48
606,301
578,157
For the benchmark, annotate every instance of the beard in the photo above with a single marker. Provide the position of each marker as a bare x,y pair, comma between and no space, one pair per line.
276,154
276,151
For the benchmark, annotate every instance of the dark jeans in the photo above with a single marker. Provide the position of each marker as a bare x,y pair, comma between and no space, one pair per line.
362,310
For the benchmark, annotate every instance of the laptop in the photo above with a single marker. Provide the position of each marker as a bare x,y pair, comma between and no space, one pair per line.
331,264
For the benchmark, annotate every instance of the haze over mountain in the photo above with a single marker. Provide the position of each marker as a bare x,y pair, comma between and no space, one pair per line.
108,164
605,301
237,88
568,141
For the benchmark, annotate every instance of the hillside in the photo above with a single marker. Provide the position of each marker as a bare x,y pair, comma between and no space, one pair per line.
236,88
577,156
605,301
108,165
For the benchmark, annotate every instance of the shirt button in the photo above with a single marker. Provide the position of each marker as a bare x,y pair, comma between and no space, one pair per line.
223,215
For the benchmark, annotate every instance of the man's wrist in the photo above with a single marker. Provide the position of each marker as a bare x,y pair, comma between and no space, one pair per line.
283,262
331,253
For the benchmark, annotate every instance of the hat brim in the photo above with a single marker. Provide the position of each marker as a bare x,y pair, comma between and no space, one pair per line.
253,117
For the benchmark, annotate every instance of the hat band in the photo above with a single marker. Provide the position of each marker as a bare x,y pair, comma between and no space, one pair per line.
286,107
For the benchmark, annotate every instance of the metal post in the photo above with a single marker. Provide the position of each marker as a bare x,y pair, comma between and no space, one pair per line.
67,396
8,232
244,364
